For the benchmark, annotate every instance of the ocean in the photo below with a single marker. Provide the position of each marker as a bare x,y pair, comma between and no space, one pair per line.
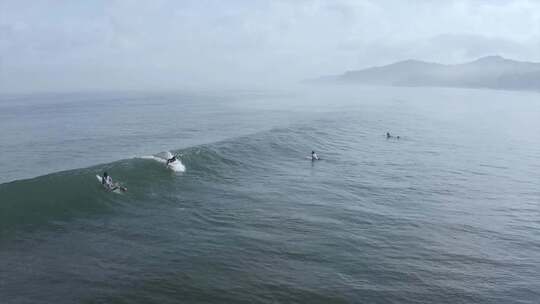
447,213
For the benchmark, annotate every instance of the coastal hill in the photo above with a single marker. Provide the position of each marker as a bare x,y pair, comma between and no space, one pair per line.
492,72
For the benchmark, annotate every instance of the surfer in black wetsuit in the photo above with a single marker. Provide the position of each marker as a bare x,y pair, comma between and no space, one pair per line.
171,160
388,136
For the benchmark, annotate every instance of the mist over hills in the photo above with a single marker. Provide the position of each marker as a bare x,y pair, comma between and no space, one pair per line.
494,72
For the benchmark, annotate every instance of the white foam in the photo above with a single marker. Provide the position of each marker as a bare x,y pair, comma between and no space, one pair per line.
176,166
152,157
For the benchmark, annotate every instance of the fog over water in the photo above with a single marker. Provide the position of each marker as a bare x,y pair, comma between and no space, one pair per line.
87,45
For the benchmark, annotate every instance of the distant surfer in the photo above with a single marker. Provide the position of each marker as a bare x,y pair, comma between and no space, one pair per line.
388,136
107,182
314,156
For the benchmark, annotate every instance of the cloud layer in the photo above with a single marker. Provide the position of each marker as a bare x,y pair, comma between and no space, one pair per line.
70,45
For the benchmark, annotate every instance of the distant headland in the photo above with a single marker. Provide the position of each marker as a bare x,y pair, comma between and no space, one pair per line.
493,72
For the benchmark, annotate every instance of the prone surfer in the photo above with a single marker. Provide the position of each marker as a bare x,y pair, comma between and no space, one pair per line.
388,136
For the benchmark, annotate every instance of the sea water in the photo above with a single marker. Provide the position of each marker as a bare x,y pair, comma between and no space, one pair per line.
447,213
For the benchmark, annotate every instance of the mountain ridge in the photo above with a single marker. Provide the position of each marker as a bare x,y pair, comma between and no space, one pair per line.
492,72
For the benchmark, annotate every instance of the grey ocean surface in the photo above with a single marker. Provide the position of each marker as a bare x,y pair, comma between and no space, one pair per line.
449,213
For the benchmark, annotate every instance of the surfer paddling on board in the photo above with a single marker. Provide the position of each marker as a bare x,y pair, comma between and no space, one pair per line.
314,156
391,136
107,182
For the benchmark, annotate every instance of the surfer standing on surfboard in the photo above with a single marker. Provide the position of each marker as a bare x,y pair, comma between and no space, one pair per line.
171,160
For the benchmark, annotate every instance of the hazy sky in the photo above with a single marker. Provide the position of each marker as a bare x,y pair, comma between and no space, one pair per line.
70,45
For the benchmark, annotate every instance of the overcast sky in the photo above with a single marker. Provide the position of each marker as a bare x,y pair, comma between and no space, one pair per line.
71,45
